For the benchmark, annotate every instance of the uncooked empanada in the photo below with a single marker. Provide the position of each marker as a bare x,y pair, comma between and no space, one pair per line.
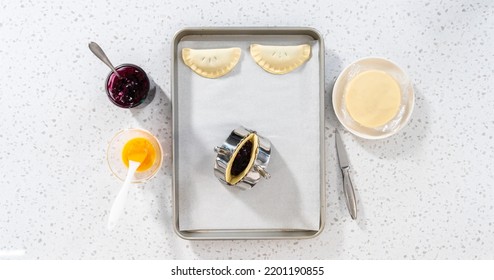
280,59
211,63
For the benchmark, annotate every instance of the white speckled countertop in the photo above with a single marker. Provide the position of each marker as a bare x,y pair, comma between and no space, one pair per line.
425,193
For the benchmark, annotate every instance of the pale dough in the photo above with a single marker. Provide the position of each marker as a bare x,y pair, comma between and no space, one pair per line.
211,63
280,59
373,98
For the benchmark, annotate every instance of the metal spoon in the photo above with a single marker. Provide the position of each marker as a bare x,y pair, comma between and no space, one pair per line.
99,53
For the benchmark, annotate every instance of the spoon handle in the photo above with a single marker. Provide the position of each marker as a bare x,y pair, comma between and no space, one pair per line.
119,203
99,53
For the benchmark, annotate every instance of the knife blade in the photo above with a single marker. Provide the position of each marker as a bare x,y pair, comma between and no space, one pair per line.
348,191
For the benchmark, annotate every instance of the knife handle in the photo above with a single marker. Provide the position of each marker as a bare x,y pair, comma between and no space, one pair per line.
351,203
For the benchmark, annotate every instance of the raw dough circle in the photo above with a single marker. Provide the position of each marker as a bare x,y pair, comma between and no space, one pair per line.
373,98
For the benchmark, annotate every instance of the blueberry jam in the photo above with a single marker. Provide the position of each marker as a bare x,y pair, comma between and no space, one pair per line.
242,159
131,89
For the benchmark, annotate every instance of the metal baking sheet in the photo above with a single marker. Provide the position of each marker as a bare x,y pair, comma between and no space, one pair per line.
193,136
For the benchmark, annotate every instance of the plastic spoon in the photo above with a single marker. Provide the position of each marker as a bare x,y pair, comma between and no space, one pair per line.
135,160
99,53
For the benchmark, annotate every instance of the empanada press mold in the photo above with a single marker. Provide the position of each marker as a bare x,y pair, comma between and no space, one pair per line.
242,159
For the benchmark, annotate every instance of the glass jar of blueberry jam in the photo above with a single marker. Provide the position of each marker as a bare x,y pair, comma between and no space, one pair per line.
131,89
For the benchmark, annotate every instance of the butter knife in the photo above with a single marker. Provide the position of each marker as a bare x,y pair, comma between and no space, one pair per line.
348,191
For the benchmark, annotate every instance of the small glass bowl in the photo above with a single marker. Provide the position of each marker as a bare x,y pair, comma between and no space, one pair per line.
136,75
407,98
114,154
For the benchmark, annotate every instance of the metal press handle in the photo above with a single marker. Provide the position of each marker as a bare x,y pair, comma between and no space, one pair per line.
351,203
221,150
261,171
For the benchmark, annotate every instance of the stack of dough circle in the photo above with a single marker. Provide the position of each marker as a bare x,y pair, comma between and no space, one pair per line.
373,98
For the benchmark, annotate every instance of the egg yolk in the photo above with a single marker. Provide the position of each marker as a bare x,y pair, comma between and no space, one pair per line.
137,145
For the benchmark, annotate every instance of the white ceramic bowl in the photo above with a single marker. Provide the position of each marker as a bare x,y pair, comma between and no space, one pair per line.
407,98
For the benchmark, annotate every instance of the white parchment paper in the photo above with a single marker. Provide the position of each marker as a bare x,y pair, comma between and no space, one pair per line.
282,108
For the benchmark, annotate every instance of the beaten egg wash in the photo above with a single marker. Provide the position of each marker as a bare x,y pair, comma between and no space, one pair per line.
138,145
373,98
